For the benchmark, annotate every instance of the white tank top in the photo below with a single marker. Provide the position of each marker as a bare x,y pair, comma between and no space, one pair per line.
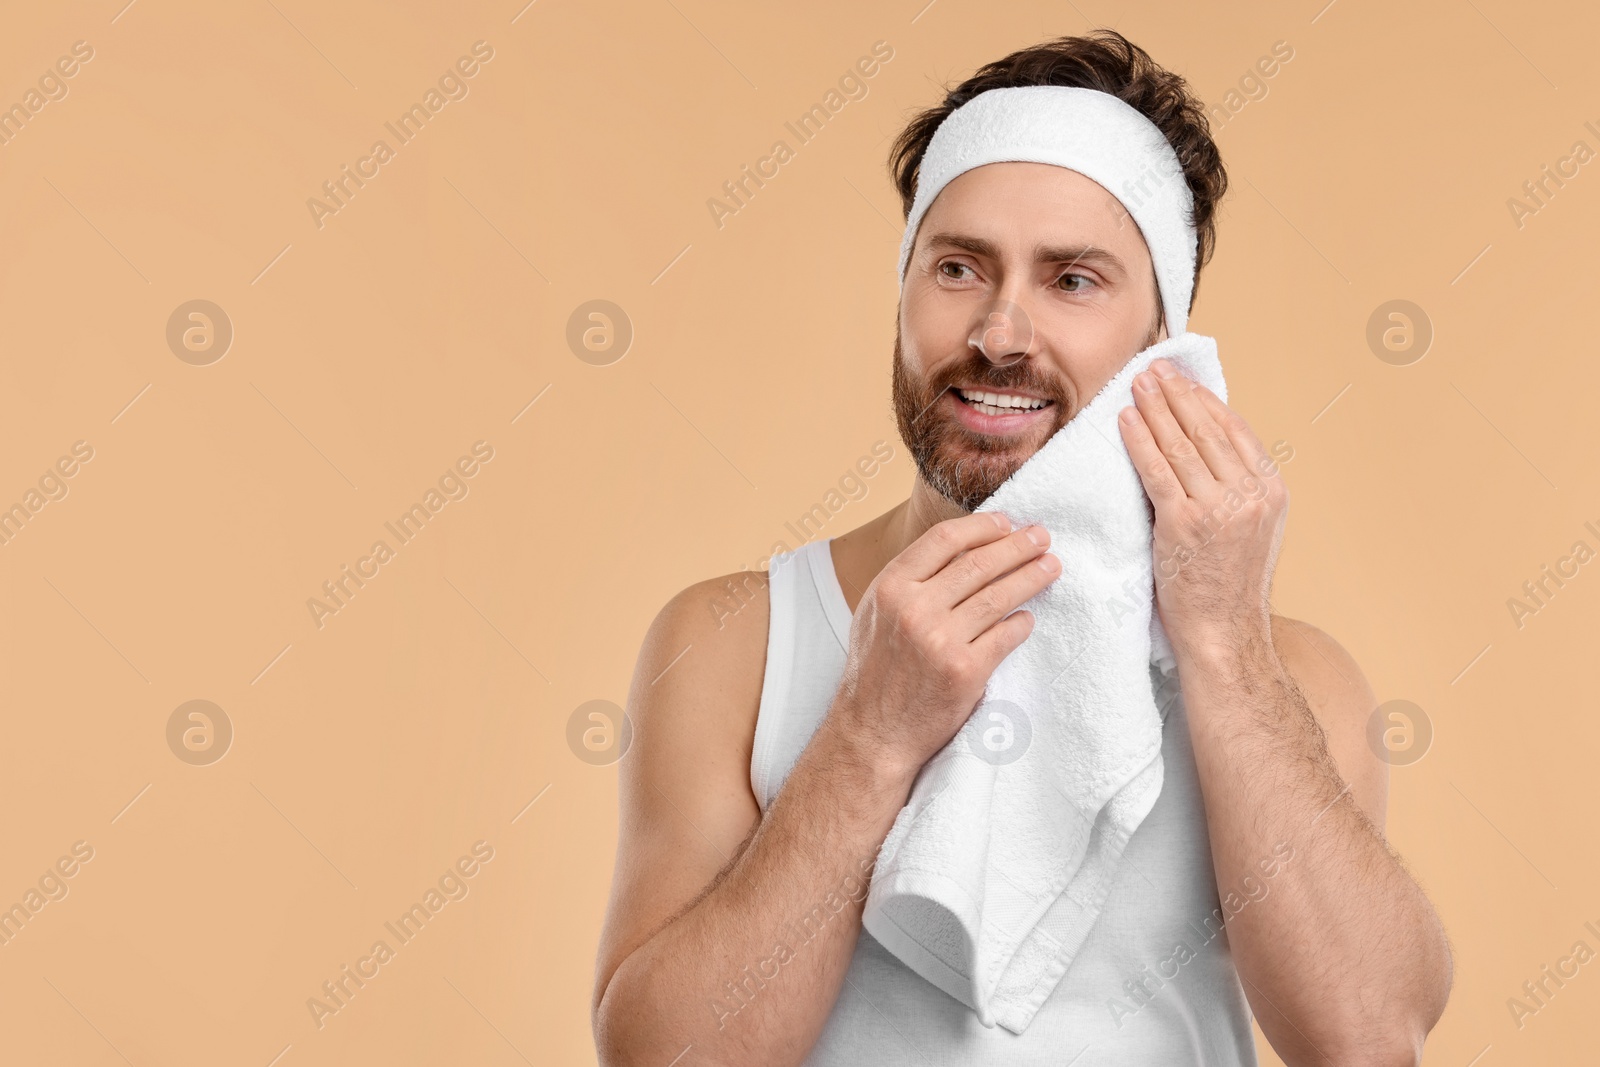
1153,983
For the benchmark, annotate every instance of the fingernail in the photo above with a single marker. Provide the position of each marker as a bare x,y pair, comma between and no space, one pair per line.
1146,381
1046,563
1038,535
1163,368
1001,521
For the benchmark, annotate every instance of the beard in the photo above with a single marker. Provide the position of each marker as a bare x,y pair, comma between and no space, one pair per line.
962,466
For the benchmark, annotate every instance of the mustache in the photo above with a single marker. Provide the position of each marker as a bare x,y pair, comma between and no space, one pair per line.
979,373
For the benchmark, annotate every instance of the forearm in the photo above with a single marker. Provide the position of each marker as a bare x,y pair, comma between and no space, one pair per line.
1337,940
749,972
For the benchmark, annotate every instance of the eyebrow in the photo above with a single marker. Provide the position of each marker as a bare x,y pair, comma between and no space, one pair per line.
979,246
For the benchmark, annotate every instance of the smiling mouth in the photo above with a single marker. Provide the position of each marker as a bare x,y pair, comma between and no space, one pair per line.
996,404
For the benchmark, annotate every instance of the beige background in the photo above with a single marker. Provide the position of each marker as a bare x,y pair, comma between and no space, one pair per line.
368,354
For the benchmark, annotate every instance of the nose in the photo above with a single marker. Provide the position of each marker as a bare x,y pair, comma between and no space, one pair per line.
1002,332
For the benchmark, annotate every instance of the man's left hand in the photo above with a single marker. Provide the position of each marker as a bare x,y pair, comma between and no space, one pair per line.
1220,508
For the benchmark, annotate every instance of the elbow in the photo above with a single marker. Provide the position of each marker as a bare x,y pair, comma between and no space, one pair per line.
1399,1035
613,1044
607,1025
1430,993
1402,1048
610,1048
1394,1039
614,1039
1394,1045
1399,1050
625,1020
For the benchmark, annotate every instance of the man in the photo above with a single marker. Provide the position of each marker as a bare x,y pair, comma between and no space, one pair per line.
774,747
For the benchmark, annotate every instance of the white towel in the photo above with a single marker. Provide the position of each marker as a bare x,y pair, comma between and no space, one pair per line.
998,865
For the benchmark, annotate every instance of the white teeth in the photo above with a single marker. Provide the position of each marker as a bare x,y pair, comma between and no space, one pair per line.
999,403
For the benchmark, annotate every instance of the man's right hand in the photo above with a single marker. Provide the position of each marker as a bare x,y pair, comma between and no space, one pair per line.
706,879
929,631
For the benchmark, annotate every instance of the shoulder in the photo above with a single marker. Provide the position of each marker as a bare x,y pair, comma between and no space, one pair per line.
685,780
1342,701
1324,670
697,682
723,618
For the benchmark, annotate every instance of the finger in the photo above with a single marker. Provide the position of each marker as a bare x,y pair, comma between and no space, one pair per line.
1201,427
1181,453
1160,481
969,573
1003,638
1251,452
993,602
944,541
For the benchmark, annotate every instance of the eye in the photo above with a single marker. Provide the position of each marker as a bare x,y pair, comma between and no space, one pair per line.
1083,282
943,267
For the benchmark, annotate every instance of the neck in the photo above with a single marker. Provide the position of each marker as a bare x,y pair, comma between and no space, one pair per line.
924,509
859,555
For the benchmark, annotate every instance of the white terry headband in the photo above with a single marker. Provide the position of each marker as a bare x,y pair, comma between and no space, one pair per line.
1091,132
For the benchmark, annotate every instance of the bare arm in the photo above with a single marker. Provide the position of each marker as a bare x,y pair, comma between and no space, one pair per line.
1340,952
1341,955
749,971
739,949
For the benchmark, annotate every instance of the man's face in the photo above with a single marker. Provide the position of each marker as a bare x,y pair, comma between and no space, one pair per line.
1028,281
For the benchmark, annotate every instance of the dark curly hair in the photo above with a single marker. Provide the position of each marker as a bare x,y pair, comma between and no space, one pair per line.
1101,59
